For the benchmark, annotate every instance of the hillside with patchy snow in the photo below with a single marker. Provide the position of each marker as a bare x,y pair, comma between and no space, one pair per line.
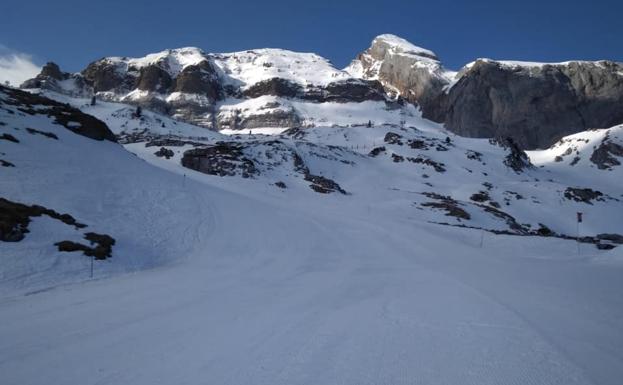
325,254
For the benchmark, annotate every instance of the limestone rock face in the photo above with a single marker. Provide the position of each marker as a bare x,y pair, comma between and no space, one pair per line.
274,87
414,73
346,91
201,79
155,79
536,105
53,71
52,78
102,75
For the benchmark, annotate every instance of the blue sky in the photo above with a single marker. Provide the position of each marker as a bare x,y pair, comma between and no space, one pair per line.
73,33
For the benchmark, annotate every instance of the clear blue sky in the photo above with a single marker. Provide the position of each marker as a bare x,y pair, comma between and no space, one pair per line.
73,33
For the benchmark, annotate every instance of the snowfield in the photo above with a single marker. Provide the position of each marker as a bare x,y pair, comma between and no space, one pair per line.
231,280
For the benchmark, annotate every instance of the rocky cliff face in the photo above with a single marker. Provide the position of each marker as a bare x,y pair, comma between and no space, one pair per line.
412,72
204,89
535,104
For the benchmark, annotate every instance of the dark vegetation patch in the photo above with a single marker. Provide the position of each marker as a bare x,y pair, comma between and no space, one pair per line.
377,151
222,159
447,204
319,184
438,166
34,131
508,195
280,184
323,185
164,152
544,231
575,161
605,155
585,195
5,163
295,133
473,155
516,159
481,196
15,218
509,219
397,158
418,144
171,142
100,246
393,138
9,137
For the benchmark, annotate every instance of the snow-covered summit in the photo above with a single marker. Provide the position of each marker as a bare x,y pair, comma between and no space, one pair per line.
242,67
252,66
398,45
171,60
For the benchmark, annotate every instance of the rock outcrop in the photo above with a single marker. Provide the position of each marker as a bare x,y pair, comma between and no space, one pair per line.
535,104
69,117
606,155
408,71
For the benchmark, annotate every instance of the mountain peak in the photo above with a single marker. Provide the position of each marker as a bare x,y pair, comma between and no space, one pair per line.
397,45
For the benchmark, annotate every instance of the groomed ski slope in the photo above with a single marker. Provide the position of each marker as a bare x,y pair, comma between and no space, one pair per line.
278,295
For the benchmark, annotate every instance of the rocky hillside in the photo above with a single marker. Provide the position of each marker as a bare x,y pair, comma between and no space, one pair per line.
414,167
242,90
130,191
535,104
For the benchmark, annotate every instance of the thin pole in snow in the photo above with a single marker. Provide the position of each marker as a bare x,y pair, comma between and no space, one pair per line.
577,239
482,237
92,258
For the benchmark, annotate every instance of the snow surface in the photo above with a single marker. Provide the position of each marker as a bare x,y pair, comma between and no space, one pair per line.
234,281
250,67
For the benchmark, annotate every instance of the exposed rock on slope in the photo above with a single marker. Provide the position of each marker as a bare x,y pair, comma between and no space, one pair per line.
607,153
201,88
71,118
535,104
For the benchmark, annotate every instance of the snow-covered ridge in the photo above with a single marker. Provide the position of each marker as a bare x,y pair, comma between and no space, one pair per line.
171,60
399,45
243,67
252,66
532,64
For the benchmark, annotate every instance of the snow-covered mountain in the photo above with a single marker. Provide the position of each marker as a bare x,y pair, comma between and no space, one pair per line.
533,103
267,218
264,88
